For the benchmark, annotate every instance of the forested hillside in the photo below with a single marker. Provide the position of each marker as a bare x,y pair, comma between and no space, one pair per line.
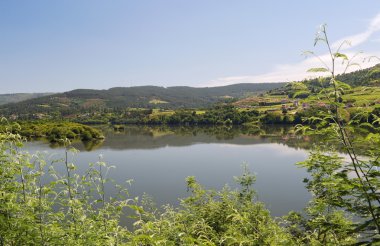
363,77
263,95
85,100
369,77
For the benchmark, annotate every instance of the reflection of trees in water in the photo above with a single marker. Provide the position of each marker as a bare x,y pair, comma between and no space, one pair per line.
160,136
78,144
150,137
92,145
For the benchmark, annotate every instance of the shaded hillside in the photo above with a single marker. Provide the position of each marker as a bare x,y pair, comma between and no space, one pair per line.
363,77
86,100
19,97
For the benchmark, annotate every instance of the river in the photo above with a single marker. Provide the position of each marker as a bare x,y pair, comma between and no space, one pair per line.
158,159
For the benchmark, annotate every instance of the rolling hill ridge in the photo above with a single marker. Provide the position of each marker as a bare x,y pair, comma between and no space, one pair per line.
85,100
19,97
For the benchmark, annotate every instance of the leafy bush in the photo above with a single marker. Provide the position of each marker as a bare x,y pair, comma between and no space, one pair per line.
272,118
71,209
53,131
208,217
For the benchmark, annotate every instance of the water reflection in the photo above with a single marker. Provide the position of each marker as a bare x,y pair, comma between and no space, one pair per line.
148,137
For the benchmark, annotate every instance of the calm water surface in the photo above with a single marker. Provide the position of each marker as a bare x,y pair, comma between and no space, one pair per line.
159,160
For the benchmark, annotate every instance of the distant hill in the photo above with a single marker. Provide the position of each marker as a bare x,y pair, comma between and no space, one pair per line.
19,97
85,100
360,89
365,77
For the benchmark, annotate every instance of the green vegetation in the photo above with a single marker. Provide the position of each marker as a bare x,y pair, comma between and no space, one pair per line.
209,217
67,210
339,185
54,132
275,113
41,206
80,102
289,104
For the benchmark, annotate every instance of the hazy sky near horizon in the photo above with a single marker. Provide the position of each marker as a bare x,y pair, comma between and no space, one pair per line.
55,46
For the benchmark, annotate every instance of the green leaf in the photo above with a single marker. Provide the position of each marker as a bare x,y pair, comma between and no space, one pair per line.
340,55
317,70
137,209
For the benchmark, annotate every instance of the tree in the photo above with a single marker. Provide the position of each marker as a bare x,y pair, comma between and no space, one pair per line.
351,185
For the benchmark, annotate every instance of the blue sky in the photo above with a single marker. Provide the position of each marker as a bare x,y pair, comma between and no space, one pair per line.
63,45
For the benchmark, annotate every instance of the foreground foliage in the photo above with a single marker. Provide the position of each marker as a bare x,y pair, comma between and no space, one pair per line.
42,206
351,184
214,218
